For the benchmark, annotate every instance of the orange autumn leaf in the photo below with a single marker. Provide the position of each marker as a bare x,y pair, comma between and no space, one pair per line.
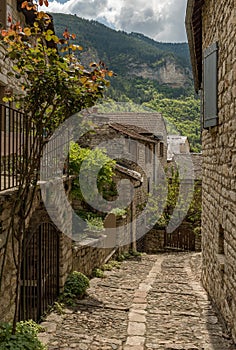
66,34
4,32
24,4
73,36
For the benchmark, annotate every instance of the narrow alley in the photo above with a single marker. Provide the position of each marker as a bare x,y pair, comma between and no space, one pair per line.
151,302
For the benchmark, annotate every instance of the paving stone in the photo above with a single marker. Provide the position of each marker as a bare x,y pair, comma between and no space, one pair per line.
135,340
136,328
154,303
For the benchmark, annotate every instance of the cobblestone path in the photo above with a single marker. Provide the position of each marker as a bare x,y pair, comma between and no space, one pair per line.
156,302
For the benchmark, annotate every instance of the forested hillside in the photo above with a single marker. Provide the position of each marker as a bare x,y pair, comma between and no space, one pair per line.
148,72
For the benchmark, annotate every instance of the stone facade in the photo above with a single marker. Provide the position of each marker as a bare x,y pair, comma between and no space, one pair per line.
94,252
218,24
141,159
83,256
7,83
37,216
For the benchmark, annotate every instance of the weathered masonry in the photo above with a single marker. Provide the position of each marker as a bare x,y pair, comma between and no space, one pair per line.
211,28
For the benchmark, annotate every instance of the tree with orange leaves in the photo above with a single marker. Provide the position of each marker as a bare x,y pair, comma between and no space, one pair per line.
51,89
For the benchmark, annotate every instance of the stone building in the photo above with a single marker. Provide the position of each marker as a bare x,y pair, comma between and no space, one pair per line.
177,144
8,8
211,29
138,142
48,254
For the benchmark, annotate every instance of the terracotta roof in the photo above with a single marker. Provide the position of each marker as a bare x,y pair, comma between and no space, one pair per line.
131,131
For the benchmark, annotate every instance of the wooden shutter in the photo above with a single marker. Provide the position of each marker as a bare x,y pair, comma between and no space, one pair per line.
210,86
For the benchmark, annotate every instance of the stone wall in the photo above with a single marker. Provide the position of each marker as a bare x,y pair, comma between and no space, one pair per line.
83,256
219,166
94,252
38,215
8,7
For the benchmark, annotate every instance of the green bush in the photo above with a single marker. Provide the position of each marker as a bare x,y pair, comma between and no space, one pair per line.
25,337
98,273
110,265
94,224
76,284
119,211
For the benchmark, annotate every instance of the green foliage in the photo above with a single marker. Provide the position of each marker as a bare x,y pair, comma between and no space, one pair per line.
128,255
130,56
94,224
75,287
76,284
141,90
98,273
50,89
155,210
197,230
131,53
110,265
24,338
120,48
92,161
195,209
182,113
58,308
119,211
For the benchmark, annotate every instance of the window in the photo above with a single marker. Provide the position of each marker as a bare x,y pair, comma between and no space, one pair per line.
210,86
148,185
133,149
148,154
161,149
221,249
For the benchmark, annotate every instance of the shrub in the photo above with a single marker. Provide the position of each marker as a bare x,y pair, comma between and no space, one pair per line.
94,224
119,211
76,284
98,273
110,265
25,337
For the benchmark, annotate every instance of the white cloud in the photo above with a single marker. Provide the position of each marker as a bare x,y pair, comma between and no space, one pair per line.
162,20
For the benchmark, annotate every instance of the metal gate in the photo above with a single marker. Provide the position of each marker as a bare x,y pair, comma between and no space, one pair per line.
39,272
180,239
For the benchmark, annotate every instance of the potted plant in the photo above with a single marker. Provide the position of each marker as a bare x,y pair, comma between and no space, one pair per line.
119,212
95,227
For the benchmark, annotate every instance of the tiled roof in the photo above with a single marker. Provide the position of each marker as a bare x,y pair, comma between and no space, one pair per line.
129,172
132,132
149,122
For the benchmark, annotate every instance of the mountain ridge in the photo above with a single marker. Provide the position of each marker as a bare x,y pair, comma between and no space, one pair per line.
130,54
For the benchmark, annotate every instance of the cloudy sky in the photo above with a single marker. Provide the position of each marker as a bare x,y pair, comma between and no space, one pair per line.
162,20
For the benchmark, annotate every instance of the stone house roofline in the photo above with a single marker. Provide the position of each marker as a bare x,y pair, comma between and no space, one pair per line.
193,24
129,131
177,138
152,123
129,172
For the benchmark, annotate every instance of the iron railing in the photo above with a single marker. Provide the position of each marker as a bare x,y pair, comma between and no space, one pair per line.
18,144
